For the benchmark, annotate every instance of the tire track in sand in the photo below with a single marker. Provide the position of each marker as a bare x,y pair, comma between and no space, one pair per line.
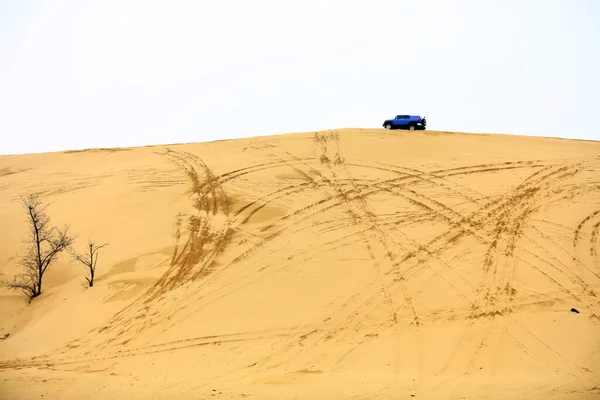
373,236
522,201
593,252
508,226
471,171
208,232
353,195
358,214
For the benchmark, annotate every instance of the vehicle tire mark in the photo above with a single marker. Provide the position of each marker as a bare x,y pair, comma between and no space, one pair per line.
203,246
518,205
566,252
432,178
580,226
594,239
565,269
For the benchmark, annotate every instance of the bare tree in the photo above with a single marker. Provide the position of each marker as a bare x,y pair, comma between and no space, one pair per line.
89,260
44,244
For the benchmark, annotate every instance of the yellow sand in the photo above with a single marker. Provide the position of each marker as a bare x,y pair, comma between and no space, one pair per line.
350,264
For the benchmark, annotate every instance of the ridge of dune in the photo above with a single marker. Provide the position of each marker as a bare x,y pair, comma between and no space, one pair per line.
339,264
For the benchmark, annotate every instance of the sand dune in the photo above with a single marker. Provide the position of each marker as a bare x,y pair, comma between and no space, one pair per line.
350,264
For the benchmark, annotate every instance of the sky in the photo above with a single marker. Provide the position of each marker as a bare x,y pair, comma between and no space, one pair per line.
82,74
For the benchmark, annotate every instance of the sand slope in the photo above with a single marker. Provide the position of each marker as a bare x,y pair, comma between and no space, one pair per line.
350,264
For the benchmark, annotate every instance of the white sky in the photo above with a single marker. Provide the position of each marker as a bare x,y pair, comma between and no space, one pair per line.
79,74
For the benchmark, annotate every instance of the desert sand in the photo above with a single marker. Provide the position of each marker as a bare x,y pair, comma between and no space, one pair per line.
348,264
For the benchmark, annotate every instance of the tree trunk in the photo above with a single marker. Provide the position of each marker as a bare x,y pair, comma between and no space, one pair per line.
36,228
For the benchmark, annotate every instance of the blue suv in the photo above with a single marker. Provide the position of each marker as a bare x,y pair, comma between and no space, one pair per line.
410,122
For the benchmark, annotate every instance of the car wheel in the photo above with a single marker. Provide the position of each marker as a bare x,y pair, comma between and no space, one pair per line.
388,126
412,127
